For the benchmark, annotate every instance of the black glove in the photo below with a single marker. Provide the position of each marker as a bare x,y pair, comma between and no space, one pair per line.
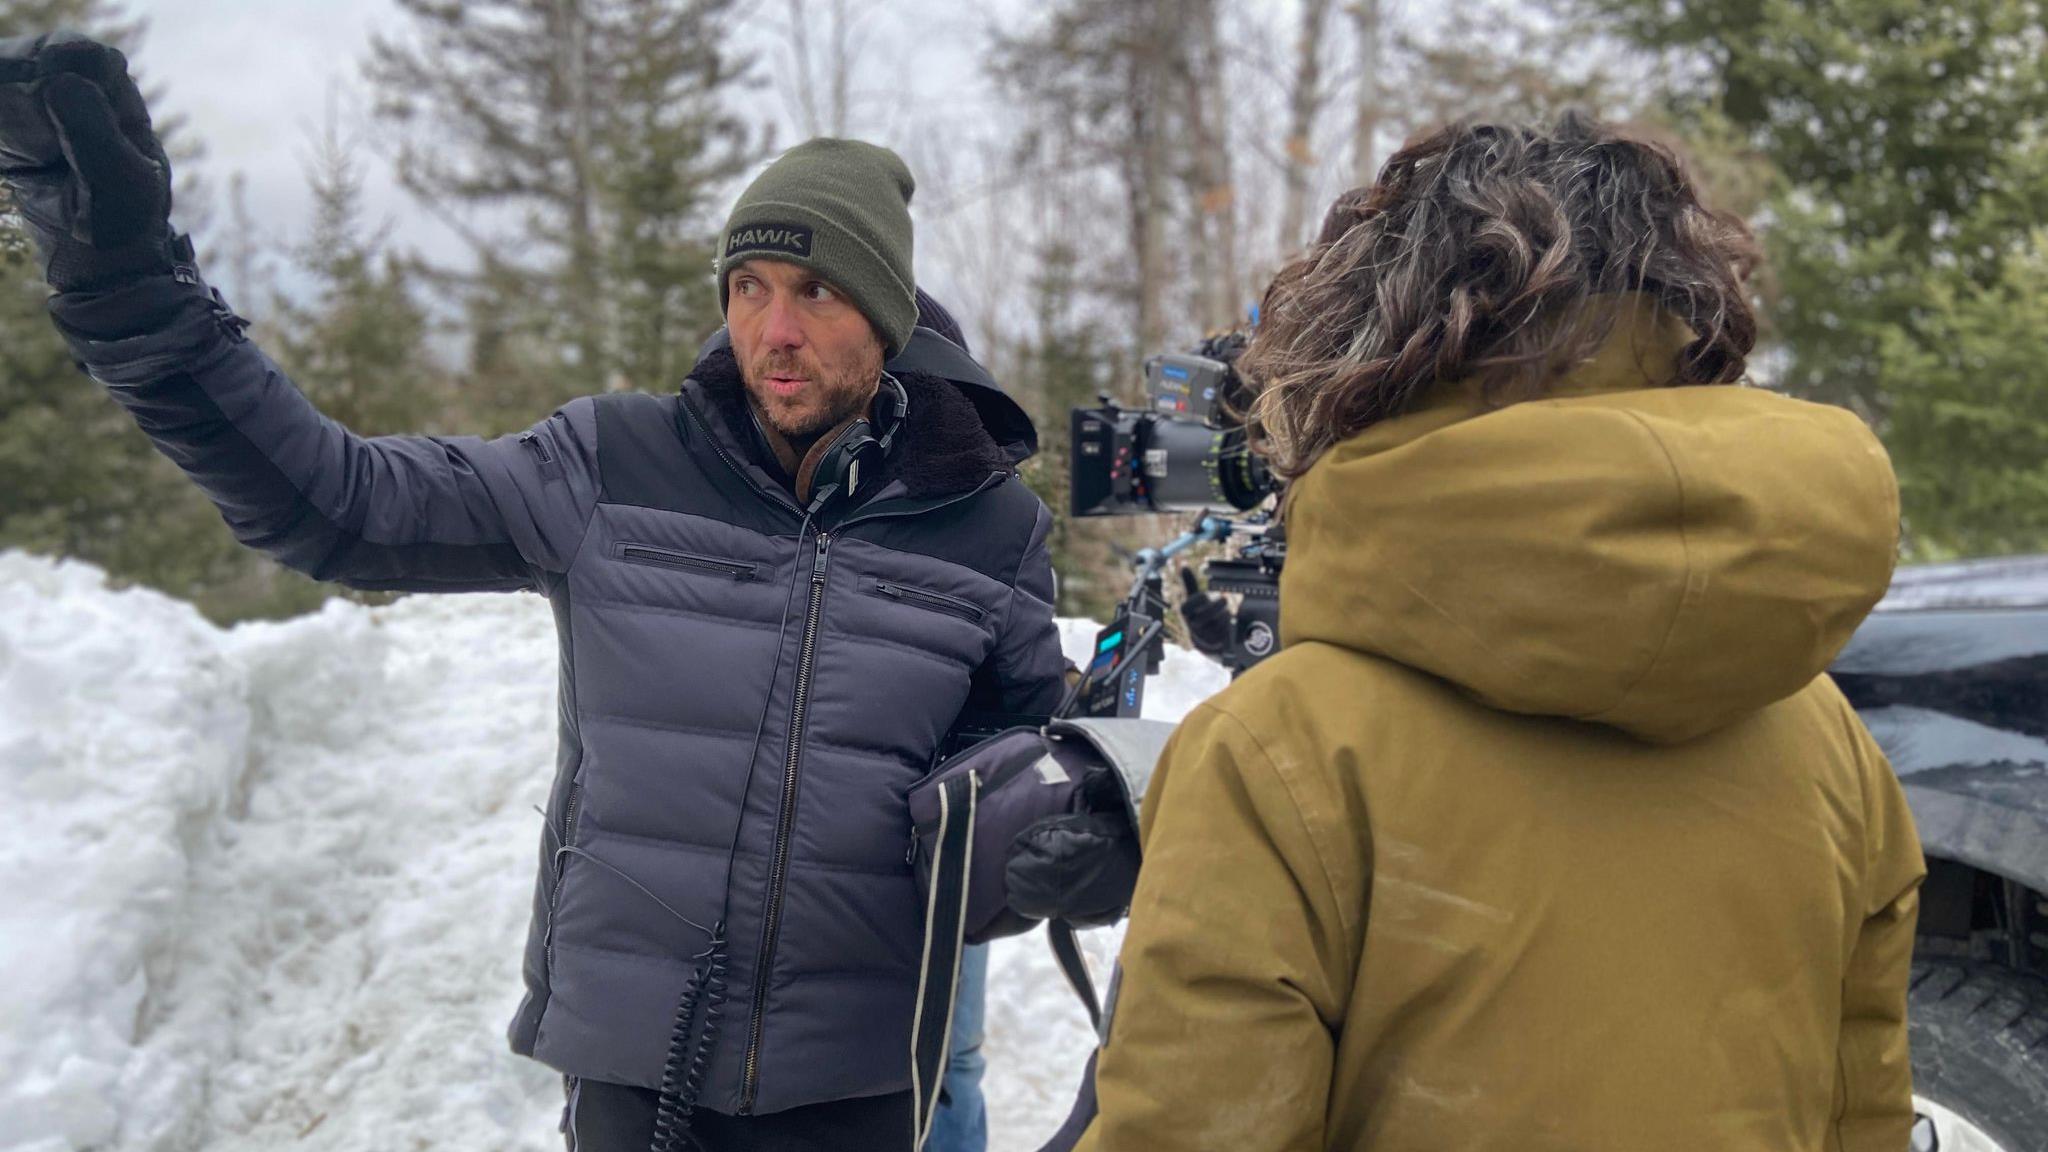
87,173
1080,866
1206,614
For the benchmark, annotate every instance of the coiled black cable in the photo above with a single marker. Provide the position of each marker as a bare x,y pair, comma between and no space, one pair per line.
682,1075
703,999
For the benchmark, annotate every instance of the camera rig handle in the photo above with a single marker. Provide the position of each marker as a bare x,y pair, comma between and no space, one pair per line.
1152,562
1130,646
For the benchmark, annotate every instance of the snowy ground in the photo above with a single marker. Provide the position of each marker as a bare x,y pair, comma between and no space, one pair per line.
267,886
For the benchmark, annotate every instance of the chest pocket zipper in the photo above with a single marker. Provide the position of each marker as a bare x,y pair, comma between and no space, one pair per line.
684,561
937,602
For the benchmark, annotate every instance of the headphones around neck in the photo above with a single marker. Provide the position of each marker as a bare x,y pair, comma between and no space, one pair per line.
855,455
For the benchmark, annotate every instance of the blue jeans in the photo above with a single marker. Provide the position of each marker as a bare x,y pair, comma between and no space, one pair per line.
962,1123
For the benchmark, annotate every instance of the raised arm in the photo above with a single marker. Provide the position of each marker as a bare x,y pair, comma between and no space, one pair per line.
404,512
418,513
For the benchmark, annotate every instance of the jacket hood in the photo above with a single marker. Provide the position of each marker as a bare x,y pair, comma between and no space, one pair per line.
1661,560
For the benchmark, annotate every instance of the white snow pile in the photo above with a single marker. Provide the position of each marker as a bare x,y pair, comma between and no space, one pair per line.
267,887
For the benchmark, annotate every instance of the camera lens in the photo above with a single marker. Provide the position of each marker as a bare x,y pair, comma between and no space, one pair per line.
1189,466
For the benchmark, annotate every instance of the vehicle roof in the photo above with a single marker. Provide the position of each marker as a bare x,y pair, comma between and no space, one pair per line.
1998,582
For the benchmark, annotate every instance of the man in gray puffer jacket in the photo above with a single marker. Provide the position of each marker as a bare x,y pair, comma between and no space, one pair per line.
776,591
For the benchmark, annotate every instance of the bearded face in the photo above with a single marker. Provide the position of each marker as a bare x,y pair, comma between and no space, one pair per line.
802,394
809,358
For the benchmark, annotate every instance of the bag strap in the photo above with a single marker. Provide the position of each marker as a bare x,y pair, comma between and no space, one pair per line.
945,926
1080,1116
1083,1112
1066,948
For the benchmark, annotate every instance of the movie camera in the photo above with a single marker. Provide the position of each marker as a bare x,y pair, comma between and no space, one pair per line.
1188,451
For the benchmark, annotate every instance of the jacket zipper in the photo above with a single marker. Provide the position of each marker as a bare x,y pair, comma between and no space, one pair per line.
951,605
532,440
561,866
664,558
778,873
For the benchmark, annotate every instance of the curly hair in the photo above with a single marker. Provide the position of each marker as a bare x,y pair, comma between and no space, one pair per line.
1476,255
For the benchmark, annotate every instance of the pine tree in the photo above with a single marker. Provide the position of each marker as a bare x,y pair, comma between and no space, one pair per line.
77,478
1908,142
672,151
1966,386
358,347
596,125
1063,365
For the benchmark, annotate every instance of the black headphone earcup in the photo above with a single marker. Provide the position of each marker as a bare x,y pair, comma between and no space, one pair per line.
844,465
863,464
854,457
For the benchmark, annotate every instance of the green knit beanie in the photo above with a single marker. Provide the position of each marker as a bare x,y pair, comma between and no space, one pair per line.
843,208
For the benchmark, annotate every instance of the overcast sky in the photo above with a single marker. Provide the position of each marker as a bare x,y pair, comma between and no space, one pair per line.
253,79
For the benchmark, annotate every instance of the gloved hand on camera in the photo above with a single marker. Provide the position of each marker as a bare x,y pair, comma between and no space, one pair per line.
1206,614
86,171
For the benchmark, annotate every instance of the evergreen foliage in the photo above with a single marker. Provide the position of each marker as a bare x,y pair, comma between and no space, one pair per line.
76,477
1064,364
1892,153
601,123
358,346
597,129
1902,231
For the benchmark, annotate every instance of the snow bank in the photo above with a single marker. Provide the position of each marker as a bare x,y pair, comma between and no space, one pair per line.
123,740
268,887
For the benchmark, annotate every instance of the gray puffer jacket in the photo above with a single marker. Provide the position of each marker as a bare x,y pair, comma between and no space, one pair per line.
730,668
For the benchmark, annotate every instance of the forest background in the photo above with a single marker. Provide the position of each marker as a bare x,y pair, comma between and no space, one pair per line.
1099,180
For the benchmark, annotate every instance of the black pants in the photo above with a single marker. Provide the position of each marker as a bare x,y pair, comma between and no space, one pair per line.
605,1117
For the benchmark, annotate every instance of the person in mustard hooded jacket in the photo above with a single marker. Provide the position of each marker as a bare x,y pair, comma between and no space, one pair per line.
1545,829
